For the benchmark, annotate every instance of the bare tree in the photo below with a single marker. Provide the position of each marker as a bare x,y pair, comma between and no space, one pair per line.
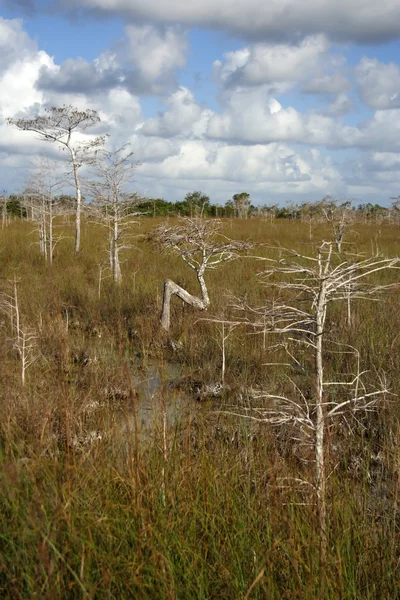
4,201
40,196
59,125
201,245
395,209
317,281
113,206
339,215
22,339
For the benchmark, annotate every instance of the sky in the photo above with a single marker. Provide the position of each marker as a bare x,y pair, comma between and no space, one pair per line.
287,100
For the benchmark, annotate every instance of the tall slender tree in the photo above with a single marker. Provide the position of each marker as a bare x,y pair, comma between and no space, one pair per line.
60,126
113,204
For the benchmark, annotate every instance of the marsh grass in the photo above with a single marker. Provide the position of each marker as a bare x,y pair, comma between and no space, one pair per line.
208,507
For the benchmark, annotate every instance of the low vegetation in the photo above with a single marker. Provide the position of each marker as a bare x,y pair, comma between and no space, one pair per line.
125,470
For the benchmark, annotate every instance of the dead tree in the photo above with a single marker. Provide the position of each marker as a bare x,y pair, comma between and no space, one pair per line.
113,206
339,216
315,282
23,339
43,185
202,247
59,125
4,215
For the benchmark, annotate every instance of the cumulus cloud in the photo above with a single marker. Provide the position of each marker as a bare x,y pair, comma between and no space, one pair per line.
275,166
144,63
257,140
183,117
340,106
327,84
381,131
269,63
20,63
379,83
15,44
310,66
253,117
361,21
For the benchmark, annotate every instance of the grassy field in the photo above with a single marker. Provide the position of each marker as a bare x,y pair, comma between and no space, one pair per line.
203,505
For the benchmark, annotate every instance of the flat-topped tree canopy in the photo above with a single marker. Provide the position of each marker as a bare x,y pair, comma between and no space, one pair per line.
58,125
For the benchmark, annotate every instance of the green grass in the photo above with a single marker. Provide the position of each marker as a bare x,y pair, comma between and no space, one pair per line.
209,508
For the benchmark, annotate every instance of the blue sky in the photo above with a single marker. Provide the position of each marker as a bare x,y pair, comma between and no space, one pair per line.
287,100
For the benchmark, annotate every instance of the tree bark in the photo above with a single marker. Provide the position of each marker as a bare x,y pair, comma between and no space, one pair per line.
78,202
320,482
173,289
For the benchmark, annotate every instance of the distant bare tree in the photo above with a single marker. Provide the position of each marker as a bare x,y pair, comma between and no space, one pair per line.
23,339
113,205
395,209
201,245
43,184
339,216
59,125
3,201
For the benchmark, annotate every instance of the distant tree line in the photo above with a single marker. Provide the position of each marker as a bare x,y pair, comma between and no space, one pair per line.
198,204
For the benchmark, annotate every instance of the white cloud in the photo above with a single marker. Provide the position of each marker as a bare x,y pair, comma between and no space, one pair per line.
351,20
276,167
381,131
256,141
379,83
271,63
252,116
144,62
341,105
183,116
327,84
155,51
15,44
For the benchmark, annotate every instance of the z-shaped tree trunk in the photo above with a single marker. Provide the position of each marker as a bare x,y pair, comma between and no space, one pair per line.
200,245
173,289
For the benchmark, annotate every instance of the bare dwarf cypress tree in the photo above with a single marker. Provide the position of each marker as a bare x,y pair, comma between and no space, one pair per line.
202,247
60,126
113,205
40,197
315,282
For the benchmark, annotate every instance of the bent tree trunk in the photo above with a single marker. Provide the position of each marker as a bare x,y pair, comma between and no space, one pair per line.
173,289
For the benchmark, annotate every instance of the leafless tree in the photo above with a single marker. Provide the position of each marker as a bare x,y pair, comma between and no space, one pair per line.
395,209
113,205
40,196
3,201
60,126
22,339
202,246
339,216
315,282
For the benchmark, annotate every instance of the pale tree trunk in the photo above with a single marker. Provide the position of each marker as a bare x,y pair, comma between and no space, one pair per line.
75,168
173,289
16,311
320,482
50,210
44,228
3,213
22,351
116,267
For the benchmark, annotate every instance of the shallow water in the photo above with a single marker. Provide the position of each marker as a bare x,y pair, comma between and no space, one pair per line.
159,400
